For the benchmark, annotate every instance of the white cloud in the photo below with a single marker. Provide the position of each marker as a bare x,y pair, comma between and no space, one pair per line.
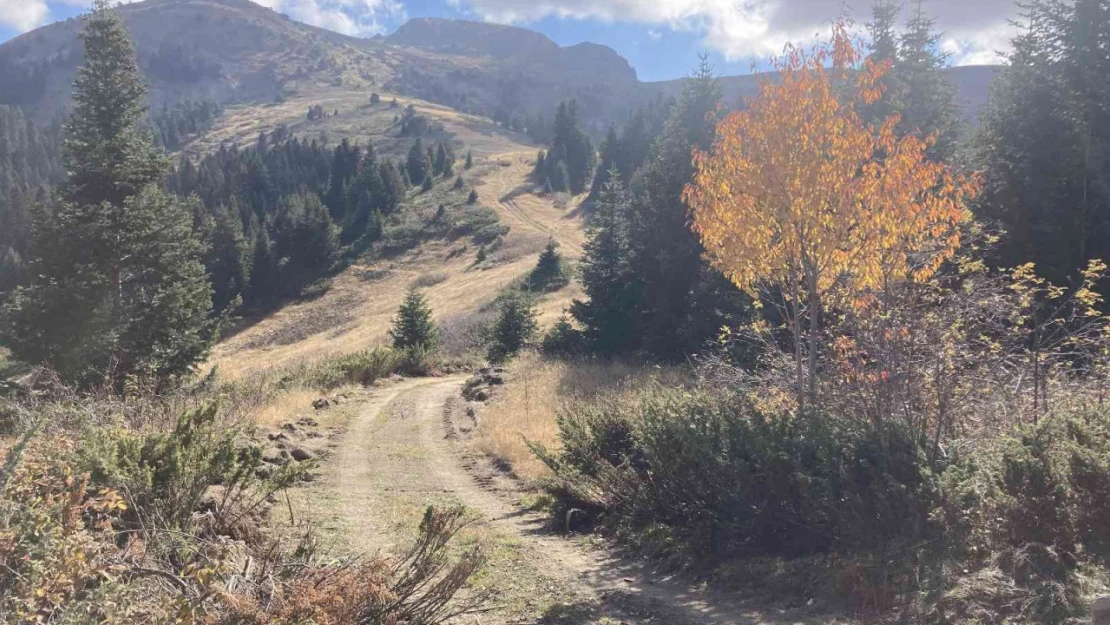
350,17
760,28
23,15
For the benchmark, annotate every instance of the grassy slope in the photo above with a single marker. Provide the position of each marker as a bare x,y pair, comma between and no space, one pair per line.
358,308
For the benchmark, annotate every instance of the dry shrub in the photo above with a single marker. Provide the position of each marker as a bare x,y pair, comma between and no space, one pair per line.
428,279
528,409
165,528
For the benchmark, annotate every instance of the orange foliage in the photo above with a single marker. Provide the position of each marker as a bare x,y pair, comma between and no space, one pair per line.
801,194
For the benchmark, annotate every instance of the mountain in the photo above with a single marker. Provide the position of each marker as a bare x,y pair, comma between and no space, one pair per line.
238,51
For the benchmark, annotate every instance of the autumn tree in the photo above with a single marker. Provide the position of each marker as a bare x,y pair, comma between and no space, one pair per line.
799,197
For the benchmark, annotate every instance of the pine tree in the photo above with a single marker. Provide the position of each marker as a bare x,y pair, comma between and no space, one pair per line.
429,183
548,274
413,326
610,149
469,161
417,164
923,95
682,302
1045,138
539,172
459,183
515,326
560,178
883,29
441,165
228,258
393,187
262,286
120,286
473,197
572,148
306,239
609,315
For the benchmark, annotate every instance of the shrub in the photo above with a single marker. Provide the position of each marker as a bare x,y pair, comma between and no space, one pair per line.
704,476
472,198
413,326
166,474
364,367
515,326
563,340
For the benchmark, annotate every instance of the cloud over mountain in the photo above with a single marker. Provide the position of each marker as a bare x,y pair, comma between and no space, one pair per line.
975,31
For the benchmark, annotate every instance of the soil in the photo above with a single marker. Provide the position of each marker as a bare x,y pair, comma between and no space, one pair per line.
402,451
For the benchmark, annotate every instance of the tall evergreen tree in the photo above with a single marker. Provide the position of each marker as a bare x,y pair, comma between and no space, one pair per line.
1045,140
539,172
925,98
610,314
120,286
571,148
683,302
417,164
610,152
228,258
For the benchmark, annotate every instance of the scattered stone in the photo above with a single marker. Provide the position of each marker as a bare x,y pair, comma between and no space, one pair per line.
481,395
300,455
315,434
308,422
277,436
321,404
496,380
289,427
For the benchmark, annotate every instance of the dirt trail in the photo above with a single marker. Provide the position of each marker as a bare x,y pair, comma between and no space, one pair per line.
401,454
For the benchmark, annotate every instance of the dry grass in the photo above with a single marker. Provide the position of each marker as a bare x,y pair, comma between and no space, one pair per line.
538,390
358,309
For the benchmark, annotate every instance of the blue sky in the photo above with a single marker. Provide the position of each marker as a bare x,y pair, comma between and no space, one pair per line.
661,38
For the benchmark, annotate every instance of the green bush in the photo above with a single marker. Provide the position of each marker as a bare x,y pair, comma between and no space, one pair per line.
515,325
701,476
166,474
563,340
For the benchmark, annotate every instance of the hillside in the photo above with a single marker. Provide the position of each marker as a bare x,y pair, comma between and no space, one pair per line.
238,51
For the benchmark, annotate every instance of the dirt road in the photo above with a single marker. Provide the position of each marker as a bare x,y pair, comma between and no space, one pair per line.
402,453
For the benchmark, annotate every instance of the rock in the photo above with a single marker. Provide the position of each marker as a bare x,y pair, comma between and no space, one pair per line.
496,380
308,422
481,395
315,435
273,456
300,455
264,472
277,436
285,455
321,404
289,427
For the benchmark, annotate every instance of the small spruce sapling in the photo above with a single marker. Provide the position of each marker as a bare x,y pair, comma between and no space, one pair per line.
413,326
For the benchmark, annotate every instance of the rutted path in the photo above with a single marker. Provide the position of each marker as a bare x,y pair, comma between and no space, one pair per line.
400,455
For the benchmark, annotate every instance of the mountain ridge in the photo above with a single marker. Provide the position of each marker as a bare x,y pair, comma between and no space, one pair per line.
239,51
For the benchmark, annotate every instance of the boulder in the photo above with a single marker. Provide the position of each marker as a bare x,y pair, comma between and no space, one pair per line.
300,455
321,404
